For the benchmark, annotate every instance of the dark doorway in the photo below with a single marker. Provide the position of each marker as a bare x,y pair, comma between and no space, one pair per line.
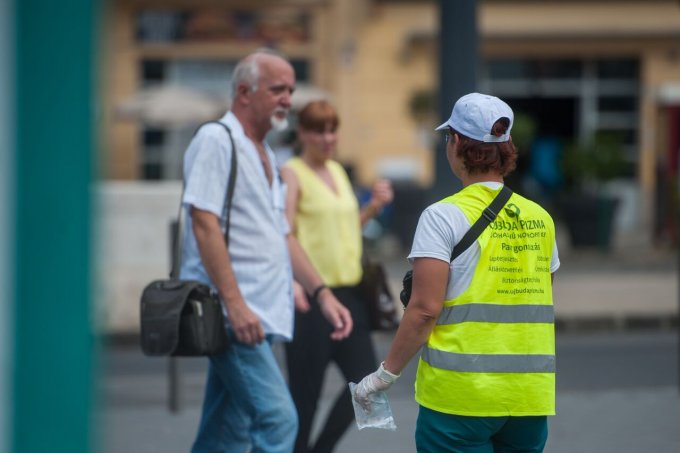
553,123
553,116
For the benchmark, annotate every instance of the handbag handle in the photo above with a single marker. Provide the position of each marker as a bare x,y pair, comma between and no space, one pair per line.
177,243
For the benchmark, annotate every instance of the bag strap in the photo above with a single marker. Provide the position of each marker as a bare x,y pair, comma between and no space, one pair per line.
177,243
488,215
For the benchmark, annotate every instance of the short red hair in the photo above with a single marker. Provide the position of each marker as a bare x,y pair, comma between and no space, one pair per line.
316,116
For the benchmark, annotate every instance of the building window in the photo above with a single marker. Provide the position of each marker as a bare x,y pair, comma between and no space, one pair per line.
158,26
302,70
152,154
153,72
268,27
627,68
559,102
505,68
574,98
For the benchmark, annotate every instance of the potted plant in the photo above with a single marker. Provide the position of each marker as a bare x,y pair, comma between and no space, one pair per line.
587,210
422,106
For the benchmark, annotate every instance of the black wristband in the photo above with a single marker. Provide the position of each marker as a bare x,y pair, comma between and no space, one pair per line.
317,291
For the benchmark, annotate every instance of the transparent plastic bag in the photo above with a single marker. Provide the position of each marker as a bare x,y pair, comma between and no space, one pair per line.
378,416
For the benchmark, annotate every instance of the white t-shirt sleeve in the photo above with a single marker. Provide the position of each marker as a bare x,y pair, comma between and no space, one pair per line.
207,164
440,227
555,262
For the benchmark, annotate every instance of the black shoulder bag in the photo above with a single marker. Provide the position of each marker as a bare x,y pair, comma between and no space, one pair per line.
382,311
488,215
184,317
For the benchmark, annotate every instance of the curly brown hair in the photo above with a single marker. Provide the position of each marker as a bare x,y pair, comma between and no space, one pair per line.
480,157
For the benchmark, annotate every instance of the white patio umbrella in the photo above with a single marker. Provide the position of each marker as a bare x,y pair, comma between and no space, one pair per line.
171,106
307,93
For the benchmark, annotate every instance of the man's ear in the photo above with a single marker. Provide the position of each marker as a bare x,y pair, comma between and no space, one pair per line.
243,92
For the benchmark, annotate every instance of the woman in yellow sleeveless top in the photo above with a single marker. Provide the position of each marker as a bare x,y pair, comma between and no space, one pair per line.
484,323
323,213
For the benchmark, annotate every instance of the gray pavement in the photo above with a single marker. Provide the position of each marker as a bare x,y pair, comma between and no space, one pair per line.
616,392
640,421
611,293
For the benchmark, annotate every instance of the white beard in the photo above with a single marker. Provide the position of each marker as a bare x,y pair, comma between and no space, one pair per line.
278,124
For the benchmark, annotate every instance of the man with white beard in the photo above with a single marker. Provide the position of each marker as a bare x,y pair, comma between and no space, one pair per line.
247,406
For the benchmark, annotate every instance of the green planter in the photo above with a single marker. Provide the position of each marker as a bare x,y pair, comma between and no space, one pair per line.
589,220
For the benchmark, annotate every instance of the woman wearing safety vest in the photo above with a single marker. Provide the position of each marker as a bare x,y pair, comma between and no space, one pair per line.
485,321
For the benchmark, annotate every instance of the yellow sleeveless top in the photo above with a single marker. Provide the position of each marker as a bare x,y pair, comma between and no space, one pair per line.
328,224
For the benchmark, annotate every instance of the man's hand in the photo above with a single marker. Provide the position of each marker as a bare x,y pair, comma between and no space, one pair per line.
378,381
300,298
336,313
245,323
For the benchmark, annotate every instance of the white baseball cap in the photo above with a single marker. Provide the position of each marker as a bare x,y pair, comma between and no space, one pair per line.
474,115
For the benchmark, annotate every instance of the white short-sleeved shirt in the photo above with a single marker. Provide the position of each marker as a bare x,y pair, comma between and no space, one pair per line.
440,227
257,236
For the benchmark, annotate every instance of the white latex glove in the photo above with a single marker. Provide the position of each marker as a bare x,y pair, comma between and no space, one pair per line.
378,381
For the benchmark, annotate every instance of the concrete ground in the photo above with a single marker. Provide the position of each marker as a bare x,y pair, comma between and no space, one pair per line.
608,413
594,292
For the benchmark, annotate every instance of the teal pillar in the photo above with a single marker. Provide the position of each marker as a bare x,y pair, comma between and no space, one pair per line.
6,222
53,339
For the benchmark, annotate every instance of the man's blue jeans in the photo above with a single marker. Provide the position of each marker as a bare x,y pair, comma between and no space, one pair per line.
247,403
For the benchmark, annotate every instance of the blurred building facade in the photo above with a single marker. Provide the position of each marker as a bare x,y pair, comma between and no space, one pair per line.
574,68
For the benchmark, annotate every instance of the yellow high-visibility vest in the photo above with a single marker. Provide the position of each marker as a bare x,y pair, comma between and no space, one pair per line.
492,351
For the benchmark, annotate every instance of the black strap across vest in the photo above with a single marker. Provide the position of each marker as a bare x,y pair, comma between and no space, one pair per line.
488,215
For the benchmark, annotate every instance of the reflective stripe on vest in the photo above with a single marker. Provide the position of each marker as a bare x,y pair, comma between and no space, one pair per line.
489,363
496,313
